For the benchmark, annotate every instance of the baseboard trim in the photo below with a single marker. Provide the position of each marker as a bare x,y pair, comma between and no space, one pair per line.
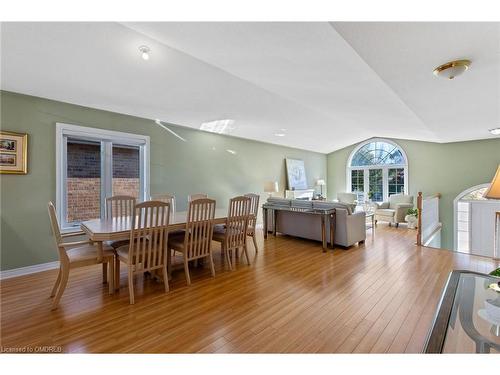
16,272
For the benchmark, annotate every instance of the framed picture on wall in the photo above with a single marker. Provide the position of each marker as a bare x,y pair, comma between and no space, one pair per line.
296,174
13,152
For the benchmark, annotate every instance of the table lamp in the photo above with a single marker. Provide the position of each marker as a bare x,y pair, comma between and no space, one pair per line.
494,193
320,182
271,187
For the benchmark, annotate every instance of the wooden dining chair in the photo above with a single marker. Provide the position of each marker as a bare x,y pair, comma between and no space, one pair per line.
196,242
194,197
147,248
233,235
252,221
73,255
166,198
119,206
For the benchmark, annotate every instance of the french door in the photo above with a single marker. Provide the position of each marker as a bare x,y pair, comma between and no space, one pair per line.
378,183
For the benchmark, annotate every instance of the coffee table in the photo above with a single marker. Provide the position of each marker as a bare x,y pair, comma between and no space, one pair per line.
468,316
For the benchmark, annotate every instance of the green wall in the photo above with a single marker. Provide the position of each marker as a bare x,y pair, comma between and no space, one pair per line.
446,168
177,167
194,166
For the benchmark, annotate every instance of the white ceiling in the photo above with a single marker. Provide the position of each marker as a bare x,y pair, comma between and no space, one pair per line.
328,84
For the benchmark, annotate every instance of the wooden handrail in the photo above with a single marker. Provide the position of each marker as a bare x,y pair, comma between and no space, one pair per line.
437,195
419,225
433,233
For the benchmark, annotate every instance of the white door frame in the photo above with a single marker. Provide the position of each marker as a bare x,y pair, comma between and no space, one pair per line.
455,209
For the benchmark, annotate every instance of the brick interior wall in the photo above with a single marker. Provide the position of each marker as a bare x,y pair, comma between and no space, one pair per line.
84,195
84,182
126,186
125,162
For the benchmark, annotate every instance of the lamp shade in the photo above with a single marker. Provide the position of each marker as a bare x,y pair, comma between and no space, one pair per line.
320,182
494,191
271,187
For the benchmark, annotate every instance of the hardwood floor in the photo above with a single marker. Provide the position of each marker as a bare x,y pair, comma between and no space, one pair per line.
378,297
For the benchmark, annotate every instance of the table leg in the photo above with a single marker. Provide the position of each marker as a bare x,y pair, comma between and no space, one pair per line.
112,277
332,230
117,273
104,273
169,264
100,251
323,232
264,221
275,221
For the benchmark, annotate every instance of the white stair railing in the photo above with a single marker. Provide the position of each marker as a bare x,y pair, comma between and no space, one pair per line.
429,223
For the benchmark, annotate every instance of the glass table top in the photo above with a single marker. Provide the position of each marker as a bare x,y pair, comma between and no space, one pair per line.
474,324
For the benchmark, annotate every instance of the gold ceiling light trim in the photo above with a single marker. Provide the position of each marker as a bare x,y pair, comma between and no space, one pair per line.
452,69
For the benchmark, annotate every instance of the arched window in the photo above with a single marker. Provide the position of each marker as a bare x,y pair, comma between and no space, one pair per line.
377,169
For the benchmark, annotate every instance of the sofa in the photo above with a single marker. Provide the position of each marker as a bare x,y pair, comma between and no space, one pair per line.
394,211
350,228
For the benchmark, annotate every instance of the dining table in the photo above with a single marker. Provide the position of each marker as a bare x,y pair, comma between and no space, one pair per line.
118,228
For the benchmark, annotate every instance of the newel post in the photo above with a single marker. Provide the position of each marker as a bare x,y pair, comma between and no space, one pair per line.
419,228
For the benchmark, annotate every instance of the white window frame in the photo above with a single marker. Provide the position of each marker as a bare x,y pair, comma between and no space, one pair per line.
106,138
385,169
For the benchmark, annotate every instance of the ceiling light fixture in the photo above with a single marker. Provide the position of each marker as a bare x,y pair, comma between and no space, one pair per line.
495,131
452,69
280,133
144,52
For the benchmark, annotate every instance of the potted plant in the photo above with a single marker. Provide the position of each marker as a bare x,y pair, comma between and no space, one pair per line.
412,218
495,272
370,196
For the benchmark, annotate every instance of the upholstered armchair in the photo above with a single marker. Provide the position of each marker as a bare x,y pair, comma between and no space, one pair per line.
395,210
349,199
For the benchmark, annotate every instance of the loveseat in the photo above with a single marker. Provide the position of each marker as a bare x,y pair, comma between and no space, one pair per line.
395,210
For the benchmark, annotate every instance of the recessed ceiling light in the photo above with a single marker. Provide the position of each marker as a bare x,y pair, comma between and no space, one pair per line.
218,126
280,133
495,131
231,151
144,52
452,69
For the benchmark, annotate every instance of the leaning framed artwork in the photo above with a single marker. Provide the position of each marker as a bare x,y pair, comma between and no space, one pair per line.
296,173
13,152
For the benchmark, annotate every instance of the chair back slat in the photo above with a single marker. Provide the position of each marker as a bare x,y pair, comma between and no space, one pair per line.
237,222
254,208
166,198
54,223
199,228
147,249
119,206
194,197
